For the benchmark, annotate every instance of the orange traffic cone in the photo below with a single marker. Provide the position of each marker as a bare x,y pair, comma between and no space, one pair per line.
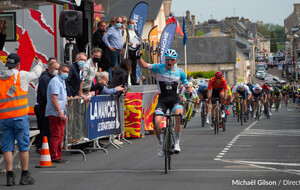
45,161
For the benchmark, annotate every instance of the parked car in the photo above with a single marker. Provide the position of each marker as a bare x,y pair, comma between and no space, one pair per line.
260,74
274,80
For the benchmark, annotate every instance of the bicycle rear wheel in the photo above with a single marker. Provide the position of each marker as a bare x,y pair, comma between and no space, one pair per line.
241,113
203,116
217,119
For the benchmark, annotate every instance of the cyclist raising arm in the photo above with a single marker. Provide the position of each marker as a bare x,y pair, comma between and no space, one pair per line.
168,78
217,88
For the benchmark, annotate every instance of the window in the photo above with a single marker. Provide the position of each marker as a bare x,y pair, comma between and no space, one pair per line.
225,75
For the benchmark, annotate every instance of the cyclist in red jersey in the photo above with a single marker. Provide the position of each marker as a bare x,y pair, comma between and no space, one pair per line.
217,88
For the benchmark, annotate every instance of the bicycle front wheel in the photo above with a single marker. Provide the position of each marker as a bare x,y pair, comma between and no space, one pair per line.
167,149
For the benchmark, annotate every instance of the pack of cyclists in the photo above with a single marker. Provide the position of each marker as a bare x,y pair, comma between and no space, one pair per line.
174,96
251,95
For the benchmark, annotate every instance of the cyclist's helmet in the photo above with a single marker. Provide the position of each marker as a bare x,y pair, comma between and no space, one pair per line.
276,89
257,87
265,85
271,89
241,85
219,75
171,53
204,88
249,84
191,84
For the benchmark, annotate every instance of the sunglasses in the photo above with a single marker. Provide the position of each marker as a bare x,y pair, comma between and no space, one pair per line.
170,59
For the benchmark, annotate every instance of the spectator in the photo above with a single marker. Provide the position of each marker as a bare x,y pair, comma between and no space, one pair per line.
121,74
113,40
40,108
124,37
112,22
102,89
56,112
14,118
133,40
75,75
90,70
3,28
99,43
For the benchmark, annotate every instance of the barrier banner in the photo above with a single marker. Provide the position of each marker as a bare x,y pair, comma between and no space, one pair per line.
149,104
133,114
102,116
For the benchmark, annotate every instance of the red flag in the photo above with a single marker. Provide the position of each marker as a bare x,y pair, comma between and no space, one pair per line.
172,19
26,52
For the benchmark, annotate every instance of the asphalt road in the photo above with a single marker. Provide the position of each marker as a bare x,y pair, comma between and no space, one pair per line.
258,155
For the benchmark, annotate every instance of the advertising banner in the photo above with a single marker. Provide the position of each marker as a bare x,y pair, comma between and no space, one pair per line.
139,14
153,40
166,40
102,116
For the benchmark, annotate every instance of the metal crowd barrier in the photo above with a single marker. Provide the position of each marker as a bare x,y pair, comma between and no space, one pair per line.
77,130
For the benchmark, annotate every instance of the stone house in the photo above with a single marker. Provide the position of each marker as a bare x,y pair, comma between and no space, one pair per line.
207,54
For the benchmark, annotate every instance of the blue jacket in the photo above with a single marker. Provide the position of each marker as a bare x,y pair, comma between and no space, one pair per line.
73,81
42,88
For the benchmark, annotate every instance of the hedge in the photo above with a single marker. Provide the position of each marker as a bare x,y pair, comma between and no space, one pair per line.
201,74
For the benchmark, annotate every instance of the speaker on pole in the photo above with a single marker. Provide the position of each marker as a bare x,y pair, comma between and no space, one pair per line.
70,24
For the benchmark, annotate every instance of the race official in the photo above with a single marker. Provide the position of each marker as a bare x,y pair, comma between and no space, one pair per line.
14,119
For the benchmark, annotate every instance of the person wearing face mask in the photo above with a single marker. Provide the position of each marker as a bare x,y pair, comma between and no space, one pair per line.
75,75
14,120
133,40
90,71
56,112
114,41
97,42
40,108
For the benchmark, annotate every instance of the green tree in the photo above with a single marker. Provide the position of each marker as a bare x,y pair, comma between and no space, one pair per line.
273,42
200,33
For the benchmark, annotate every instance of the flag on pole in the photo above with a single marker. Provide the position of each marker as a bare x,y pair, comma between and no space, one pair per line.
184,32
172,19
26,52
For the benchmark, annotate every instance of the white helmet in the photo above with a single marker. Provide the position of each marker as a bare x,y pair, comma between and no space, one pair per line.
271,89
257,87
241,85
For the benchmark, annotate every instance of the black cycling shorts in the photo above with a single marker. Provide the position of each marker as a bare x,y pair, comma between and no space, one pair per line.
259,95
244,94
168,103
215,94
204,94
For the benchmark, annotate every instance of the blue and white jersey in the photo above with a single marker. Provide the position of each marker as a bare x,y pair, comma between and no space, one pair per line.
168,80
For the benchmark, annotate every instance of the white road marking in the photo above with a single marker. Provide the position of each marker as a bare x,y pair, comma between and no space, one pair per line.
231,143
243,145
289,146
156,170
253,164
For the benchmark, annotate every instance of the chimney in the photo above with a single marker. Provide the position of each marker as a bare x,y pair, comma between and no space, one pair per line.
232,33
193,20
297,9
215,32
188,15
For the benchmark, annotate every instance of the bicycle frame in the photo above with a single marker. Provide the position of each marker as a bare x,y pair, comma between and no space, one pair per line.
169,138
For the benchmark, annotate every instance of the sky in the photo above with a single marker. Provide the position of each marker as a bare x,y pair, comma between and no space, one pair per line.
268,11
